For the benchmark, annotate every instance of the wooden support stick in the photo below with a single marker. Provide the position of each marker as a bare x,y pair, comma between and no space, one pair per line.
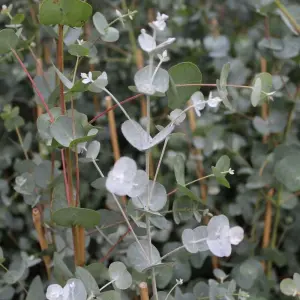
113,133
37,222
144,291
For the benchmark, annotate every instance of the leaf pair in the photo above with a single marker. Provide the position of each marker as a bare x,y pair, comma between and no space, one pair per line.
107,33
137,136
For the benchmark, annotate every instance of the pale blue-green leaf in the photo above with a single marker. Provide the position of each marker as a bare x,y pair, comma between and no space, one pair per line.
66,82
255,95
88,280
137,258
179,169
261,125
100,23
287,172
36,289
111,35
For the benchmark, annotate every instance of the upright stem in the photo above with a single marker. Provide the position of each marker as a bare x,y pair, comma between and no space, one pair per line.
200,171
122,212
158,166
87,34
77,231
276,226
148,224
21,143
60,64
265,115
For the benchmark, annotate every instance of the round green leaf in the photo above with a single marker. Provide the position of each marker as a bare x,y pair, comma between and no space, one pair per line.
73,13
71,216
62,130
78,50
183,73
8,40
287,171
265,87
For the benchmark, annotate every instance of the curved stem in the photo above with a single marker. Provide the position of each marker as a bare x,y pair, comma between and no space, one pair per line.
275,227
172,252
118,103
122,211
106,285
158,166
156,70
288,16
38,92
115,106
172,289
75,69
21,143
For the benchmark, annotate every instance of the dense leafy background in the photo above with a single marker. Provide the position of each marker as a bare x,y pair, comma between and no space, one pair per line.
265,154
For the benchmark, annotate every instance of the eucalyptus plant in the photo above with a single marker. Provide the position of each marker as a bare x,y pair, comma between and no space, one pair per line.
198,196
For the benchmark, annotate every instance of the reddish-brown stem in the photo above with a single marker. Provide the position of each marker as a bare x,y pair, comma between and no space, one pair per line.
69,175
179,85
38,92
77,179
114,106
63,160
60,64
104,258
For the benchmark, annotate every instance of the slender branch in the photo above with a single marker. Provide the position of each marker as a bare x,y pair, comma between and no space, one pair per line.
114,106
41,97
172,289
104,236
106,285
172,252
275,227
118,103
63,160
288,16
158,166
21,143
60,64
122,211
104,258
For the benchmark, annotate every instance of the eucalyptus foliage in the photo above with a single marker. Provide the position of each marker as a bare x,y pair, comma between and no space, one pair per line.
200,201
